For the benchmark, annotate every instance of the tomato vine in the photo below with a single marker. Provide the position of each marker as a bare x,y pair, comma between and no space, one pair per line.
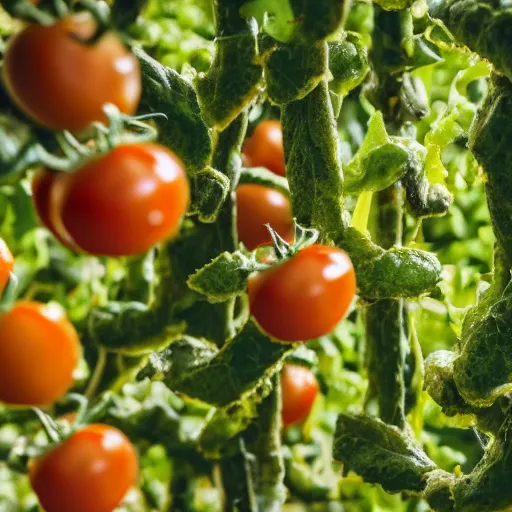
357,131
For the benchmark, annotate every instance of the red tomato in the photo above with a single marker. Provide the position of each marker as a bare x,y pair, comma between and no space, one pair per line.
42,185
122,203
305,296
91,471
299,388
265,148
258,205
63,83
39,350
6,264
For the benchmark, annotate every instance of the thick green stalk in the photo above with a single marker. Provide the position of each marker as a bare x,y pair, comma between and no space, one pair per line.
386,341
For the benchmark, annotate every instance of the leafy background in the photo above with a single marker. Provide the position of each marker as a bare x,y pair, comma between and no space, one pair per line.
177,458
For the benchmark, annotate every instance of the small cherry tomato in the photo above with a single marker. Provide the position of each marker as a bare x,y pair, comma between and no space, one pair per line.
258,205
6,265
265,148
122,203
39,350
304,297
91,471
299,389
62,82
42,185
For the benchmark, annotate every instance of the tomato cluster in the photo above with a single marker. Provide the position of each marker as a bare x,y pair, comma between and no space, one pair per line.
120,203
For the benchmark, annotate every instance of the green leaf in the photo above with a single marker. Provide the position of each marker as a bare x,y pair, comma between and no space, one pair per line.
483,26
209,190
379,169
233,80
348,63
440,385
486,488
292,71
224,278
183,129
275,18
239,367
398,272
318,18
482,371
381,454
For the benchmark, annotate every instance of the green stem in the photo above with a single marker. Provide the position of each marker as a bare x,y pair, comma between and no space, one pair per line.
386,340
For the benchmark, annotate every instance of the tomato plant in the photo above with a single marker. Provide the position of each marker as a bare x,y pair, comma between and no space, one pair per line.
304,297
121,203
258,205
90,471
372,138
39,351
299,389
61,82
264,148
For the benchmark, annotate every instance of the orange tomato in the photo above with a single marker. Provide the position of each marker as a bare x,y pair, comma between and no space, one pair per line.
299,389
6,264
265,148
258,205
119,204
304,297
91,471
63,83
39,350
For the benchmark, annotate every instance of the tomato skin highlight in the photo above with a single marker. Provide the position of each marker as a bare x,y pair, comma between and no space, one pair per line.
265,148
258,205
299,389
304,297
39,350
6,265
91,471
42,185
122,203
61,82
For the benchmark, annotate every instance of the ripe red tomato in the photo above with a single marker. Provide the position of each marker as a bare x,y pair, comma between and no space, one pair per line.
122,203
305,296
42,185
265,148
299,389
63,83
6,265
258,205
39,350
91,471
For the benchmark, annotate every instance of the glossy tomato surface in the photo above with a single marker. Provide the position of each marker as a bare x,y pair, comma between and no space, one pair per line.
42,185
265,147
62,83
258,205
91,471
6,264
299,389
122,203
305,296
39,350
